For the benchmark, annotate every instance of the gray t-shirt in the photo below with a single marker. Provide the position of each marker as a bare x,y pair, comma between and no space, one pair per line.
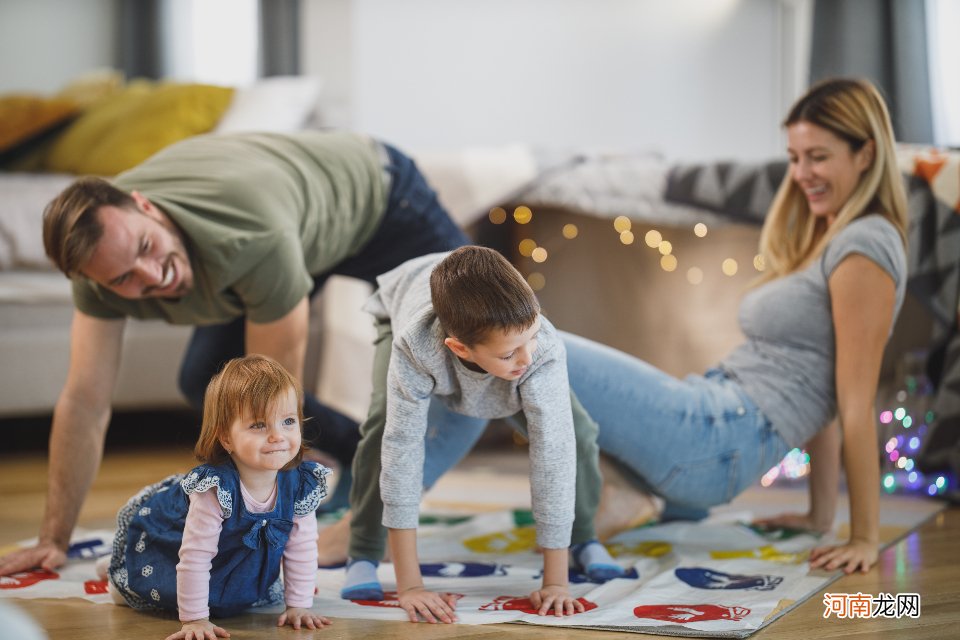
422,367
787,365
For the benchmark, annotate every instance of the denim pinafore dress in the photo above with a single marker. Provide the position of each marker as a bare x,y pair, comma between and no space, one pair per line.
245,571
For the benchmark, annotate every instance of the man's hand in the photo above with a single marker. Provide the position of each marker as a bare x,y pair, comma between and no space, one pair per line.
556,597
45,555
428,604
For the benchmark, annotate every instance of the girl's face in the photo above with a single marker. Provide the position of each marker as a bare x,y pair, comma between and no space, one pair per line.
268,444
824,166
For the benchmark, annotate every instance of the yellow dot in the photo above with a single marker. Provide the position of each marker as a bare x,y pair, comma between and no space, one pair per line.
666,248
759,263
668,263
526,247
522,214
570,231
653,238
498,215
539,254
700,229
622,223
694,275
626,237
536,281
729,267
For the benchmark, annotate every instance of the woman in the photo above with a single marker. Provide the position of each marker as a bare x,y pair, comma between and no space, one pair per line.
816,327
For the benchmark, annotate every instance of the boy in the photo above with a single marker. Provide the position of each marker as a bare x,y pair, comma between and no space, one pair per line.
465,328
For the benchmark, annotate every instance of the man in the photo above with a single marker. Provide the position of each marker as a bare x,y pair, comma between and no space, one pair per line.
232,234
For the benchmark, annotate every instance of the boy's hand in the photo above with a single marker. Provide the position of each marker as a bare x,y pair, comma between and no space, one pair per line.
431,606
297,618
201,629
795,521
558,598
856,554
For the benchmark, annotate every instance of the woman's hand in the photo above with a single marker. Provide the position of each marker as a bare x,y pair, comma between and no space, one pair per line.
856,554
431,606
797,521
302,618
556,597
201,629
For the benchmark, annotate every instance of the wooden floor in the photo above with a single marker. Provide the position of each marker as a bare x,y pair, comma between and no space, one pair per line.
925,562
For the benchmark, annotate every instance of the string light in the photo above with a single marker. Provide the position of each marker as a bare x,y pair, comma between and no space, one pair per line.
498,215
539,254
522,214
653,238
700,230
526,247
626,237
729,267
622,223
536,280
694,275
759,263
665,248
570,231
668,262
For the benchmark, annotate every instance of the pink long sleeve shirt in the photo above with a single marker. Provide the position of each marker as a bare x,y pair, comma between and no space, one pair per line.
201,534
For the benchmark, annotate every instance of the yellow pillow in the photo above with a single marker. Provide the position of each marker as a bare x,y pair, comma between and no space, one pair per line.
121,131
23,117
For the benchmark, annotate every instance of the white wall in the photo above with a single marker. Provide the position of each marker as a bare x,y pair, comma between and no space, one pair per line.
690,78
45,43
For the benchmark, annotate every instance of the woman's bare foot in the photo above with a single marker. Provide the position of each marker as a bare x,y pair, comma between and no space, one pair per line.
622,506
333,542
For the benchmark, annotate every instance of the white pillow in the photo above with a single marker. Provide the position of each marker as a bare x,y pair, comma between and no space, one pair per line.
279,103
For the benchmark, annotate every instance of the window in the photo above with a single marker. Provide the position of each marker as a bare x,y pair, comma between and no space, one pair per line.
211,41
943,51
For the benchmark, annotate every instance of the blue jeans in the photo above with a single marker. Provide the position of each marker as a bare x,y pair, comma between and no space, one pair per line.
414,224
696,442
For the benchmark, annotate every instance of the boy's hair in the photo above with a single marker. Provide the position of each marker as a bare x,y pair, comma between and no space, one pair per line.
475,290
71,227
248,385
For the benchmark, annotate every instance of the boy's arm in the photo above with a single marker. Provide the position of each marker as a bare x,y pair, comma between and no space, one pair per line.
555,592
413,597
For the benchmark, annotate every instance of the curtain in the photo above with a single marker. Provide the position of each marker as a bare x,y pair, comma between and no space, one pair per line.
279,37
139,39
884,41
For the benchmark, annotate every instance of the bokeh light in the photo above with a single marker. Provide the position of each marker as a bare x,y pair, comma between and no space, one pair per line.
626,237
653,238
700,229
526,247
570,231
729,267
694,275
668,263
759,263
622,223
498,215
522,214
536,280
666,248
539,254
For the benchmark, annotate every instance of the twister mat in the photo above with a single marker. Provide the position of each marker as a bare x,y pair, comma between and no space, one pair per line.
717,578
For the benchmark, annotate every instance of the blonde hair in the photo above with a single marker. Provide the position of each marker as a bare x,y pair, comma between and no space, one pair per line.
245,386
853,110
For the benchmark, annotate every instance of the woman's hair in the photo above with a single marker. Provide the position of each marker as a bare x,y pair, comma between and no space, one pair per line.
475,290
71,228
247,386
854,111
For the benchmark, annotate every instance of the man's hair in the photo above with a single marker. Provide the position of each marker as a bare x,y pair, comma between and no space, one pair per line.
247,386
475,290
71,227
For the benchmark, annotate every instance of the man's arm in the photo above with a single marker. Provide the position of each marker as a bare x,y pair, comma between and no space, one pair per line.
80,421
284,340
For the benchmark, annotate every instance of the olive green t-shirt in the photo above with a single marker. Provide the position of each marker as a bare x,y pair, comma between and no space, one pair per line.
261,214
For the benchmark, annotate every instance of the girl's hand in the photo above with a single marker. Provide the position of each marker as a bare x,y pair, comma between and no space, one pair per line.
297,618
558,597
201,629
798,521
856,554
431,606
